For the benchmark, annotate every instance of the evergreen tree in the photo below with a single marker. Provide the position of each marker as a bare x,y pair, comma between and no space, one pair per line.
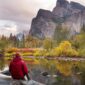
61,33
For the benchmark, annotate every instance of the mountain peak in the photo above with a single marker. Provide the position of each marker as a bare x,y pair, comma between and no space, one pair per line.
61,3
44,13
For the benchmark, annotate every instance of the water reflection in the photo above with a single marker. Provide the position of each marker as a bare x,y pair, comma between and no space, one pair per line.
2,60
67,72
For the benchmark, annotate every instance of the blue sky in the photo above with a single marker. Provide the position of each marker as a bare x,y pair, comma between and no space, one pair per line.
16,15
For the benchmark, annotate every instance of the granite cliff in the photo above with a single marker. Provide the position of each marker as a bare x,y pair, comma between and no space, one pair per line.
69,15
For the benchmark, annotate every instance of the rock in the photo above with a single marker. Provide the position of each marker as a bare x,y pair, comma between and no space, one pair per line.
45,14
43,25
18,82
76,5
70,15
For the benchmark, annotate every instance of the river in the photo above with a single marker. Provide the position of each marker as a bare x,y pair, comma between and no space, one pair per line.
64,69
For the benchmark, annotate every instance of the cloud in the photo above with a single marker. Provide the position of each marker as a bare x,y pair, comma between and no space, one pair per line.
6,28
22,10
7,31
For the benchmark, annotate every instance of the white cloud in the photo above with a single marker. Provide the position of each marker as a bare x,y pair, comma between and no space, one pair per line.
11,29
6,28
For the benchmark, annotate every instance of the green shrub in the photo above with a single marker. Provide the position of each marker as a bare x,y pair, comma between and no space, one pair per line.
81,52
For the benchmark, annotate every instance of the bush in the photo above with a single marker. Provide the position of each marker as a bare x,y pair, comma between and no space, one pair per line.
9,54
81,52
64,49
40,53
37,53
27,54
11,50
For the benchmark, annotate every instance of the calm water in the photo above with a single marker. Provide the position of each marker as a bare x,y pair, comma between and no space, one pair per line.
67,72
4,82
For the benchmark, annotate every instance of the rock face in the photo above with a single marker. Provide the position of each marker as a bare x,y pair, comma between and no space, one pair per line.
69,15
43,25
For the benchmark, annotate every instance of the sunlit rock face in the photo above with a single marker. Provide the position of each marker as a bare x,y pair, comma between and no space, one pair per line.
70,15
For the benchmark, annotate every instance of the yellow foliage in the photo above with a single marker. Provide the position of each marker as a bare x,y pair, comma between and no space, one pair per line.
10,50
27,54
65,67
65,45
37,53
40,52
36,62
65,49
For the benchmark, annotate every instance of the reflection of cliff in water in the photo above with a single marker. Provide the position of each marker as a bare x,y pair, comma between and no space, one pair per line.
76,77
2,64
76,70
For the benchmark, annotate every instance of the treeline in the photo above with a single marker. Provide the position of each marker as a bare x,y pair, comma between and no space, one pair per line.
26,41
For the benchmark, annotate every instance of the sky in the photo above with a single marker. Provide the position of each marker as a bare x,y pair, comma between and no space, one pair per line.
16,15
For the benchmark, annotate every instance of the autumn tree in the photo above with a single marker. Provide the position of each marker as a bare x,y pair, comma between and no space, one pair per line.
64,49
48,43
32,42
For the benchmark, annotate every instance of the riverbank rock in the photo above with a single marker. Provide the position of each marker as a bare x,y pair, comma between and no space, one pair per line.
31,82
